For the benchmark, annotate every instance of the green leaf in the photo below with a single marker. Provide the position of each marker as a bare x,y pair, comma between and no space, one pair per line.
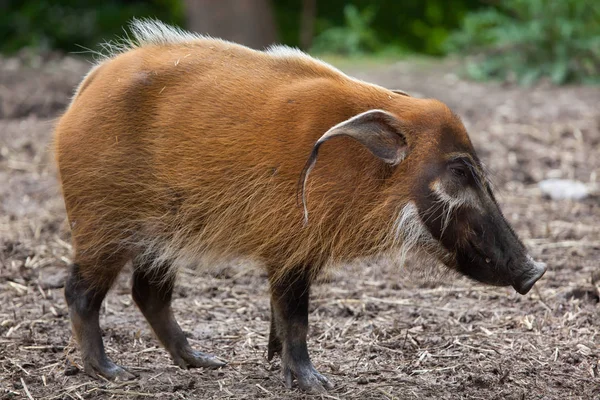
559,72
531,39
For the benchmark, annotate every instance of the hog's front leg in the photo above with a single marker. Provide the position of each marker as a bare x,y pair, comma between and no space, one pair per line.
289,327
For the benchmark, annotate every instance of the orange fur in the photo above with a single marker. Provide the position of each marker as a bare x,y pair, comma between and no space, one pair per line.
186,148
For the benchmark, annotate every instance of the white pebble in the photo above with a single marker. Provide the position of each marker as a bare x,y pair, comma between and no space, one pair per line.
564,189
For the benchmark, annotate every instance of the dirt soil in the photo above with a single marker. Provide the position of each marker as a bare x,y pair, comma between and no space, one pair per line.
377,330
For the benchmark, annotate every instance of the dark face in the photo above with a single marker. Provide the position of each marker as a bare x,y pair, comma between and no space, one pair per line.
458,208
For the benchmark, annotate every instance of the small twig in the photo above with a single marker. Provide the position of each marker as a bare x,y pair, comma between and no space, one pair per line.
424,371
264,390
129,393
26,389
18,366
245,363
476,348
329,397
155,376
387,349
542,301
404,341
386,394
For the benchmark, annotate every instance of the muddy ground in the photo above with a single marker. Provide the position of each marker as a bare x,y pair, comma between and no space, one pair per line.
378,331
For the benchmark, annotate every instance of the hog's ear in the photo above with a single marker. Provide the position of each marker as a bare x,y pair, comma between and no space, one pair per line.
402,92
377,130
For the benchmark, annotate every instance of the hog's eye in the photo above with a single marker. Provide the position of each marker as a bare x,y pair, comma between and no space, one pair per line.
458,170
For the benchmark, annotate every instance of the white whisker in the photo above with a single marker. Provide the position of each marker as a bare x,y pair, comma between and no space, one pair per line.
412,237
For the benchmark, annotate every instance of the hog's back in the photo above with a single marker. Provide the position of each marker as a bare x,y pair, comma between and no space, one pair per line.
200,145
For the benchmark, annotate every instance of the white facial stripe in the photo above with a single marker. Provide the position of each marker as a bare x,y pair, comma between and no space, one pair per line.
413,237
465,198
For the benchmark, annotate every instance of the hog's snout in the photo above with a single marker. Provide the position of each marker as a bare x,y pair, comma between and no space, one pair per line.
532,272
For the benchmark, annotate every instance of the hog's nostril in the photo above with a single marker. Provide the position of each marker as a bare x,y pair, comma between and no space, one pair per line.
541,266
530,277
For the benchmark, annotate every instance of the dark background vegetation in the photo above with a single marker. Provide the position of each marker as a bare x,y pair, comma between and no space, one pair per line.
512,40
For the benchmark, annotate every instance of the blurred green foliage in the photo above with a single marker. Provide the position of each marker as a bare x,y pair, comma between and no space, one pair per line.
521,40
526,40
341,26
69,24
358,26
357,36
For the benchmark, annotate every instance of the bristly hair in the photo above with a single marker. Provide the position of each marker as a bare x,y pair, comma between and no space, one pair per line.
251,216
474,167
412,237
147,32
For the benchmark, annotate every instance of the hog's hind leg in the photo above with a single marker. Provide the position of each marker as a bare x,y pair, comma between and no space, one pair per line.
152,291
289,328
84,297
275,345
